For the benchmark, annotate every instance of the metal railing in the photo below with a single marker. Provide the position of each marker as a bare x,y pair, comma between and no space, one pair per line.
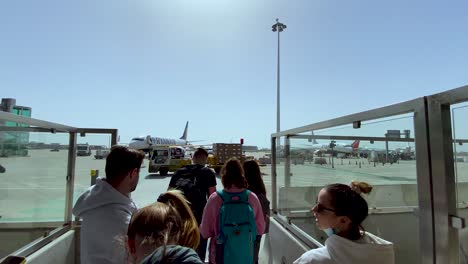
436,184
27,124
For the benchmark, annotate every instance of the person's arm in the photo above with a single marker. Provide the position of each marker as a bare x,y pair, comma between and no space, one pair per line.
210,217
265,204
211,190
210,177
173,181
258,212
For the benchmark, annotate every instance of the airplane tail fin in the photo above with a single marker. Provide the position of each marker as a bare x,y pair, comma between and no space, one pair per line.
312,139
355,144
184,135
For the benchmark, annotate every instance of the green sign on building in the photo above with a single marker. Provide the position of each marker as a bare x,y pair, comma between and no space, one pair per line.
14,143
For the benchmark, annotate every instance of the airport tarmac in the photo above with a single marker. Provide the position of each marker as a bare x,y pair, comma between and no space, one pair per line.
33,187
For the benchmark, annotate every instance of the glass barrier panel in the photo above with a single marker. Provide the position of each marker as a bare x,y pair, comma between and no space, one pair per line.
460,148
280,161
380,153
263,158
91,153
34,177
150,184
33,186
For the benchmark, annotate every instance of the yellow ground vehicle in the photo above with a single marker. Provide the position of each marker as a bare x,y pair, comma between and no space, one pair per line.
167,158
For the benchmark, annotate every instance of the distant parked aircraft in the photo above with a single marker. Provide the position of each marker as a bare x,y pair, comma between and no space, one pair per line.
145,143
338,147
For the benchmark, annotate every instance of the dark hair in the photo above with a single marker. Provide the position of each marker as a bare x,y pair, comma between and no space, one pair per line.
348,202
120,161
200,152
200,156
233,174
254,177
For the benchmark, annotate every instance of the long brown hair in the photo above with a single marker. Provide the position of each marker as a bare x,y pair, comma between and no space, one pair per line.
167,221
232,173
254,177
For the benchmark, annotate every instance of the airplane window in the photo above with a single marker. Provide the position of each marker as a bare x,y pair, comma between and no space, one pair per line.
161,153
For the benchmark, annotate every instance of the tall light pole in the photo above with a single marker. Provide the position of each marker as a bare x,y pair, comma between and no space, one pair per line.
278,27
332,146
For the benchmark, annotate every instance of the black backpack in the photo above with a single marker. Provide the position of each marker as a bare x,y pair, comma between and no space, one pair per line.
188,182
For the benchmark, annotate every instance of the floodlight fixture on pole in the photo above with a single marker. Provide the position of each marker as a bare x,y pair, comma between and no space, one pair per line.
278,27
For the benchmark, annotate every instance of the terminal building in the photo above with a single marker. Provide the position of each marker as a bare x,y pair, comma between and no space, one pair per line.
249,148
13,143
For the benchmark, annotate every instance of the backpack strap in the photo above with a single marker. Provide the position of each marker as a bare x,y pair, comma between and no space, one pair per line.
191,173
220,238
245,195
221,195
225,196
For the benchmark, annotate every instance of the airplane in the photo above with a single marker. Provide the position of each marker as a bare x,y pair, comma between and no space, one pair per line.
341,149
145,143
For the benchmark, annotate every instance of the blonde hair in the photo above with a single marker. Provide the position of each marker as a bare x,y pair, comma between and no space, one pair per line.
190,234
361,187
167,221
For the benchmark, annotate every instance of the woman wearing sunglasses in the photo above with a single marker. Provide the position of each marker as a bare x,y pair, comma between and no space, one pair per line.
339,212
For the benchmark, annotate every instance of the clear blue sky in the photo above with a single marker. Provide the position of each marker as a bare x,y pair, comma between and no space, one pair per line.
146,67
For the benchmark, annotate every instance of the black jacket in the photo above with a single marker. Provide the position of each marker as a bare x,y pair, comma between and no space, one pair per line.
174,254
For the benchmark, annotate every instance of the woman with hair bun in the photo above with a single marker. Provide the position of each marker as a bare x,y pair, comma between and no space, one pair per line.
339,212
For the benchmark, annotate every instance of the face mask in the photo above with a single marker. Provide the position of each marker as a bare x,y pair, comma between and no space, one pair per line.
331,231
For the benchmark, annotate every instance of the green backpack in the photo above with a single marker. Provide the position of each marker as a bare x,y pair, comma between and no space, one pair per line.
237,229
